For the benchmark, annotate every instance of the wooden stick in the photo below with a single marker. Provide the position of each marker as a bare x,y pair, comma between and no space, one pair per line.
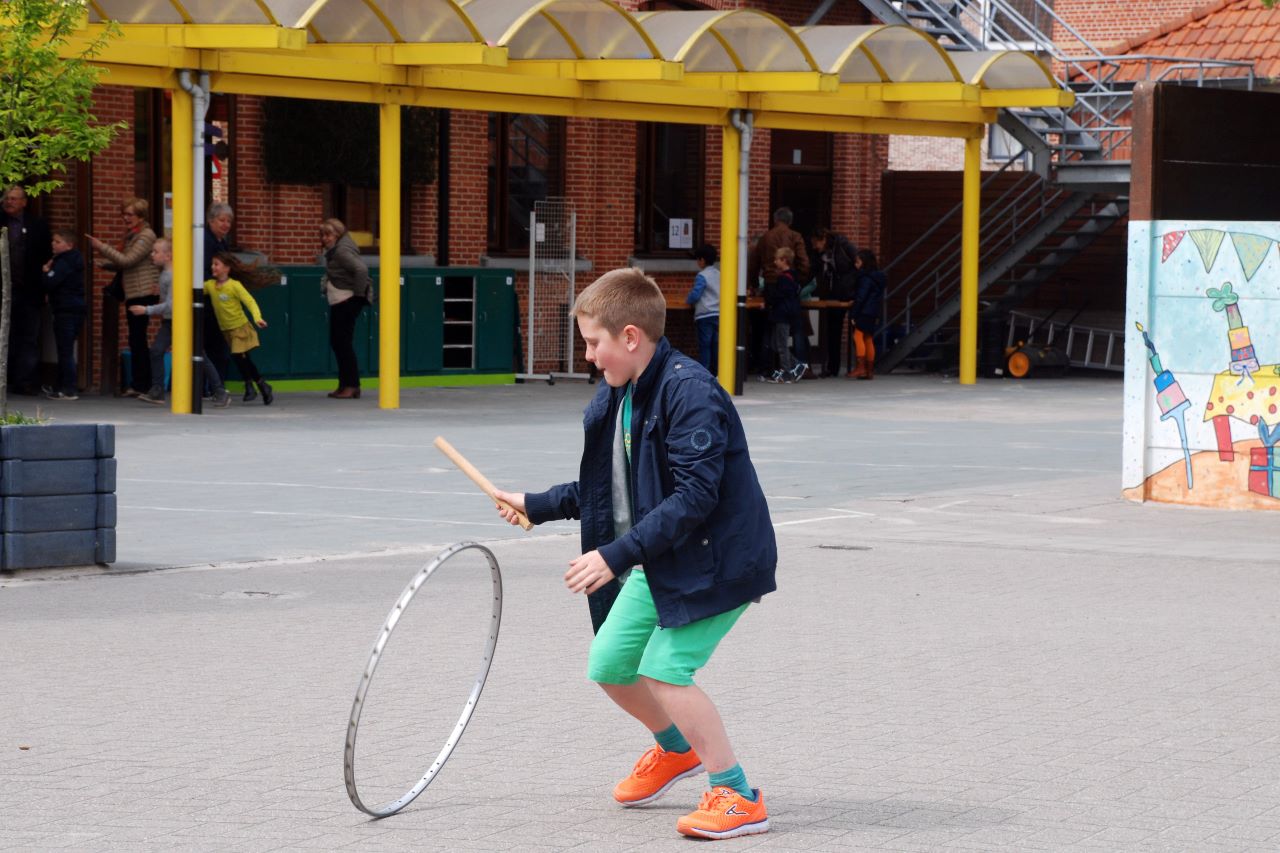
479,479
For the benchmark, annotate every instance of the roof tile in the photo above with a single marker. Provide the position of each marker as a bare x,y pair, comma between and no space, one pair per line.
1218,29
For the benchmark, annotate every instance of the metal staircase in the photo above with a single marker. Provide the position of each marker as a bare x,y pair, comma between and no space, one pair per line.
1078,183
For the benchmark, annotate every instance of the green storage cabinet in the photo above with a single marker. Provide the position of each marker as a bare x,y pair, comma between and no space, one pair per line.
453,320
421,310
495,321
272,357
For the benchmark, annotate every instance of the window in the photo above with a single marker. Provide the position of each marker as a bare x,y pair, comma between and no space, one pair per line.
358,209
669,180
526,164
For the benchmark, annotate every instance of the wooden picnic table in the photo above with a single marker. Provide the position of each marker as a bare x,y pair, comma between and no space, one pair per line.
756,303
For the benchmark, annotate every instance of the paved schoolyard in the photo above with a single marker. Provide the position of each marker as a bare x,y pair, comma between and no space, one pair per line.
976,644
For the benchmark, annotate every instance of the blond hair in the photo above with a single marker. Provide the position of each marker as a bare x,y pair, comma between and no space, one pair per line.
137,206
333,226
785,253
624,297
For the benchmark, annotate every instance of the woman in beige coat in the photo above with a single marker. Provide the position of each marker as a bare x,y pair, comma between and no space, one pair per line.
138,277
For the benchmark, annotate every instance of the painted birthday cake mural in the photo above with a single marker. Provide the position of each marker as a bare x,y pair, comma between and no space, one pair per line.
1227,457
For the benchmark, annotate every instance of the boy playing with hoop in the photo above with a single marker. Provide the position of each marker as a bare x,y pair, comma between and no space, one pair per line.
677,542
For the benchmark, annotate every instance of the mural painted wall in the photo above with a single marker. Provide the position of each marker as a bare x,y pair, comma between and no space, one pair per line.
1202,364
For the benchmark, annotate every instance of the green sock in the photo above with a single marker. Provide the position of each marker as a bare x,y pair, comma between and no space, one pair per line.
734,778
671,740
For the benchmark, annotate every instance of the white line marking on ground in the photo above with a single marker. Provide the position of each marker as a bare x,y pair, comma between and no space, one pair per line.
317,515
1050,519
811,520
830,462
471,493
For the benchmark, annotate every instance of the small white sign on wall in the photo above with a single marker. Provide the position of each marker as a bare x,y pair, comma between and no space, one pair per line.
680,234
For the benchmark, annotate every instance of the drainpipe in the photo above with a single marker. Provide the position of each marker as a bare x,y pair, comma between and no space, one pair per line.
743,121
744,174
200,102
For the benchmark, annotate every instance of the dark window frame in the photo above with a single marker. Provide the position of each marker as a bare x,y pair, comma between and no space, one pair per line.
645,203
499,239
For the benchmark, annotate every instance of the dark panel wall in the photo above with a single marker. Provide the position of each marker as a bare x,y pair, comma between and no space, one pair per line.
1205,153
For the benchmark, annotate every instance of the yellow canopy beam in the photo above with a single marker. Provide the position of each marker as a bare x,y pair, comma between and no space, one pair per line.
206,36
997,98
765,81
441,53
962,92
930,111
853,124
600,69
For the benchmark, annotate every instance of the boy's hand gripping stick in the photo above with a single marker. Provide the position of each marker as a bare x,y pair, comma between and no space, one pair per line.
479,479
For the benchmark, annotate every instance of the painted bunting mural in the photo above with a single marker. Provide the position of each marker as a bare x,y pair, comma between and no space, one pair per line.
1186,279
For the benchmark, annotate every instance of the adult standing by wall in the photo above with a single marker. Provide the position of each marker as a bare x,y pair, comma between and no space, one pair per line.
217,229
139,278
30,248
836,280
348,289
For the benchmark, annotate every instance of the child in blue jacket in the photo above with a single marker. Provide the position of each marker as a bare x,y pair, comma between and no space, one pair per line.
64,288
677,542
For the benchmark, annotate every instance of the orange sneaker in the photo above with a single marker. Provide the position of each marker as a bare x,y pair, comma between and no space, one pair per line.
724,813
655,772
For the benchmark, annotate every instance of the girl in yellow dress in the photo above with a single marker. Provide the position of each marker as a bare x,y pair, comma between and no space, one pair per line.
229,299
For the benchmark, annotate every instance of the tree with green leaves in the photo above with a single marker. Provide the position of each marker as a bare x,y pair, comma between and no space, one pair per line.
46,120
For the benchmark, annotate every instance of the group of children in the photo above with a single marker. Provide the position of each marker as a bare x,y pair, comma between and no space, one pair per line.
224,293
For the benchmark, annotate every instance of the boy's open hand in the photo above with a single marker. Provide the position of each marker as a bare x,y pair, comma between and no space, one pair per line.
139,310
514,503
588,573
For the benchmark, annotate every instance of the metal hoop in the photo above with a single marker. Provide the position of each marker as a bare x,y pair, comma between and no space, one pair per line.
402,603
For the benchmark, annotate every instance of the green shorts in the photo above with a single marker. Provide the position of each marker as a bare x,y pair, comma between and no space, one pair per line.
631,644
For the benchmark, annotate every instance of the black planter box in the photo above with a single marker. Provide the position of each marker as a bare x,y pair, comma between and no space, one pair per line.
57,495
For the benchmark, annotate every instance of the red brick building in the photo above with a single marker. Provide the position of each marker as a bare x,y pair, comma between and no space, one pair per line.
626,180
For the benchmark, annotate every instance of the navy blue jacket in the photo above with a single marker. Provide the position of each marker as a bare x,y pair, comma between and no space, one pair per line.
64,283
868,299
782,299
702,530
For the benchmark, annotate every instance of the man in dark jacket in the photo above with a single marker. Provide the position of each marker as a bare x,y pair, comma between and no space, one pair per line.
30,248
836,281
760,266
677,542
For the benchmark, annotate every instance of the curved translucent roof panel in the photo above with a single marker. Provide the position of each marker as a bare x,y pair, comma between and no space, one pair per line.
331,21
140,12
903,54
838,50
560,29
390,21
742,40
998,69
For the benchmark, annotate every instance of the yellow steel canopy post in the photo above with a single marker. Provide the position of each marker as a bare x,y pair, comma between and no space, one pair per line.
183,246
969,261
389,256
729,272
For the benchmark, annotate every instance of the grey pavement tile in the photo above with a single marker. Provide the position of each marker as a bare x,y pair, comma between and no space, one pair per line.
1005,668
